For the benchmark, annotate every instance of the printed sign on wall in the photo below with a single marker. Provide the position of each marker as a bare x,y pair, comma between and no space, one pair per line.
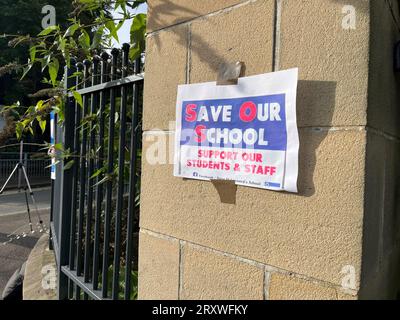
245,132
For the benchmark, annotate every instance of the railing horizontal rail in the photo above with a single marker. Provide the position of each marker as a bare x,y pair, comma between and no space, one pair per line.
111,84
85,286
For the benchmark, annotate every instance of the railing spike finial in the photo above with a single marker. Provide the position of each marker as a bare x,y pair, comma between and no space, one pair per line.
115,52
95,69
126,46
114,64
104,56
137,65
104,64
79,66
96,59
125,59
73,61
87,63
95,65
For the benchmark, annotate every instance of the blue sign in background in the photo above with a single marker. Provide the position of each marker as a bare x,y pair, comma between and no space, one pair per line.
274,131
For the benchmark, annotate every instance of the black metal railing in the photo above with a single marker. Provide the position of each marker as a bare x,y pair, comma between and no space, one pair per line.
94,228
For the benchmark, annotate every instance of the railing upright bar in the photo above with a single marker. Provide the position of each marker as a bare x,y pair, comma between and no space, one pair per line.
75,185
66,185
99,165
132,183
109,184
82,182
90,182
121,167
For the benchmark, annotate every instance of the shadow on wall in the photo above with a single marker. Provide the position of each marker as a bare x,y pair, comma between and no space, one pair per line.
168,9
177,14
310,96
174,13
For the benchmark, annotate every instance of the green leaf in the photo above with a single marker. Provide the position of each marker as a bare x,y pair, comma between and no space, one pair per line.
48,30
138,35
134,52
59,109
42,124
84,39
69,165
138,28
97,173
31,109
105,179
67,58
45,61
26,70
54,66
59,147
97,38
32,52
71,30
39,106
113,30
19,128
78,98
62,44
26,122
119,25
119,3
91,4
135,4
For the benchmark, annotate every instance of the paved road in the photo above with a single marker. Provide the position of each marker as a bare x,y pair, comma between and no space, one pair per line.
13,217
12,201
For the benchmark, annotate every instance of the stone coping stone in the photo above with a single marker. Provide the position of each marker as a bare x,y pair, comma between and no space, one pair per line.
40,273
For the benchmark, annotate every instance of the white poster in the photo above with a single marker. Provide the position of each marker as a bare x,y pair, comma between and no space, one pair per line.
245,132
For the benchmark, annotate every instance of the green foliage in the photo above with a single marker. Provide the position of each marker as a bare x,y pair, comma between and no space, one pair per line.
56,45
19,20
138,31
69,165
90,29
78,97
121,291
54,66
